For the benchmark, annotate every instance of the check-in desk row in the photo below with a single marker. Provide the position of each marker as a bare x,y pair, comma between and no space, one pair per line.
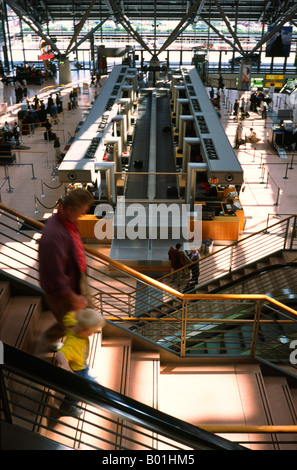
222,220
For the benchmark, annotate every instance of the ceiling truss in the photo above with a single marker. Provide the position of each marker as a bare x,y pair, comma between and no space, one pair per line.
38,13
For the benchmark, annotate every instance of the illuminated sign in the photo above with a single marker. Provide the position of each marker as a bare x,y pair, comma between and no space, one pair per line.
275,77
46,56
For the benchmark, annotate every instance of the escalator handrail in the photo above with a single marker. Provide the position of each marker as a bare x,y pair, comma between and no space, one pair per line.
247,276
234,282
94,394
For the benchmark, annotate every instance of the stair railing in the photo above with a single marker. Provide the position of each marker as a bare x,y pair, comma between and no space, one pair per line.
184,324
279,236
231,258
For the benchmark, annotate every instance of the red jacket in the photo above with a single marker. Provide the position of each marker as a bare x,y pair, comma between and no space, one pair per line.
176,258
59,271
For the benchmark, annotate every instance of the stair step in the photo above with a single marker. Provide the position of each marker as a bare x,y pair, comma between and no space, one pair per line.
39,348
16,438
114,351
144,387
145,369
283,409
276,260
208,394
289,255
201,290
19,320
236,276
211,287
224,281
261,265
248,271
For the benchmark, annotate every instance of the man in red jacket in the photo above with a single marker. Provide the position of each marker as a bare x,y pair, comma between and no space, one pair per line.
62,262
177,262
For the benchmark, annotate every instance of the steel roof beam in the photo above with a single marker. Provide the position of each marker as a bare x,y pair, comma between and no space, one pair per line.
80,25
290,14
177,31
35,26
227,22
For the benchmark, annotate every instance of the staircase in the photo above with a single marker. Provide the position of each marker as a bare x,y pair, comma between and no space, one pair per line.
211,361
231,398
24,312
22,316
213,395
277,281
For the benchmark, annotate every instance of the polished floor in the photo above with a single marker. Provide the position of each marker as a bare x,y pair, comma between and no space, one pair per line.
31,186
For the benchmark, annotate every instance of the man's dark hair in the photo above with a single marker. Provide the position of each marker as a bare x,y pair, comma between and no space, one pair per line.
77,198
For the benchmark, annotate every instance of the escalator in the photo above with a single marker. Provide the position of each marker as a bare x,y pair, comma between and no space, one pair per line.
229,327
30,386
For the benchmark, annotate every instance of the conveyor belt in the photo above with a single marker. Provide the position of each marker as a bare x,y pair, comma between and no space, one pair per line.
137,185
281,152
165,155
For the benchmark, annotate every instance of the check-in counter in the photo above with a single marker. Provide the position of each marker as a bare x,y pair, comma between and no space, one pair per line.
86,227
220,222
221,228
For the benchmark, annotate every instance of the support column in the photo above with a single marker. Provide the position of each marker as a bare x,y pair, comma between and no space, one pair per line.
64,72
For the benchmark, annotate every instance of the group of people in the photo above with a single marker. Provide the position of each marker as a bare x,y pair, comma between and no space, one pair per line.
11,134
26,73
62,269
240,139
53,106
260,101
240,107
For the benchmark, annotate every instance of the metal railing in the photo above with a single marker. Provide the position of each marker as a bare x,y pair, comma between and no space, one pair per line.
230,324
32,391
185,324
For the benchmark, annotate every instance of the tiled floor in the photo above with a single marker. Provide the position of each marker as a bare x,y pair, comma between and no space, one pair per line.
32,187
269,189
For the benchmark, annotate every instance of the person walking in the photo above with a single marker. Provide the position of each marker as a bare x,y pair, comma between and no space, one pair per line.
62,262
57,147
235,110
264,109
238,136
177,261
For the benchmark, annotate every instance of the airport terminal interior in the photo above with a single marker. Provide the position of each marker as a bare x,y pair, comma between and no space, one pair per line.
180,119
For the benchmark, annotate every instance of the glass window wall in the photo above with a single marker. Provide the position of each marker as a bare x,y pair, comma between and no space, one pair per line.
23,45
